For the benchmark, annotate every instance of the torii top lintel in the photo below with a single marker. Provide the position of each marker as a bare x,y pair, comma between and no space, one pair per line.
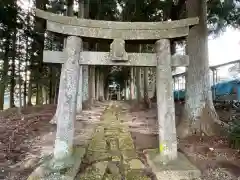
116,30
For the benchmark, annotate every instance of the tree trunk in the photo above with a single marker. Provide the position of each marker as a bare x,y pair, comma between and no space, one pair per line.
138,79
131,84
30,93
13,69
125,90
199,113
85,82
20,91
84,12
39,95
26,60
138,83
70,4
4,78
19,84
25,75
56,93
101,85
91,83
80,90
97,83
44,95
106,90
38,47
147,101
154,98
52,81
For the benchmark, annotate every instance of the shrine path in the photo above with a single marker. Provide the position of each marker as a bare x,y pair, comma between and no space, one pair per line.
111,154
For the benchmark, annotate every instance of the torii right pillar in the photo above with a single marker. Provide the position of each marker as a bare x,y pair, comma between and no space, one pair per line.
167,163
165,102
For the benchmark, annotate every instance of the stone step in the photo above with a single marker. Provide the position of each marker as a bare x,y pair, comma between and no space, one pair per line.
128,155
112,177
95,172
136,175
178,169
125,141
98,141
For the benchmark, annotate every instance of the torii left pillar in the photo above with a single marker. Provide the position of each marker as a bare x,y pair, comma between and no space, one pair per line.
67,109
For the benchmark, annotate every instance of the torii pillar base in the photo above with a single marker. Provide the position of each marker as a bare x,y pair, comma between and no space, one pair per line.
178,169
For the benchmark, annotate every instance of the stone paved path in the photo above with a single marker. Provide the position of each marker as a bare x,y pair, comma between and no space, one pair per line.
111,154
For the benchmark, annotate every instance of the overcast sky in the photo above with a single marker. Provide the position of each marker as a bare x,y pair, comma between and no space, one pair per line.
224,48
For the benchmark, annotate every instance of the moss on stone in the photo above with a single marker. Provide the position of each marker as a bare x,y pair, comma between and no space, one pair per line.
112,140
135,164
95,172
129,154
125,142
134,175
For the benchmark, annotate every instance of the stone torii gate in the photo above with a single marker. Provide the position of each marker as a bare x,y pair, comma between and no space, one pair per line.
73,56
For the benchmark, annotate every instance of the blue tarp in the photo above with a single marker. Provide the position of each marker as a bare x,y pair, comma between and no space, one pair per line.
222,88
226,87
179,94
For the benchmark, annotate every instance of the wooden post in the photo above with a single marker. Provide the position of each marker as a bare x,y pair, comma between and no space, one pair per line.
165,102
67,111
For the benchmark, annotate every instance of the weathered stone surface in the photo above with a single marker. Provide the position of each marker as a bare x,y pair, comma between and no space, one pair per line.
67,112
117,50
98,142
165,103
178,169
113,168
125,142
130,34
129,155
135,175
95,172
115,30
114,24
135,164
102,58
